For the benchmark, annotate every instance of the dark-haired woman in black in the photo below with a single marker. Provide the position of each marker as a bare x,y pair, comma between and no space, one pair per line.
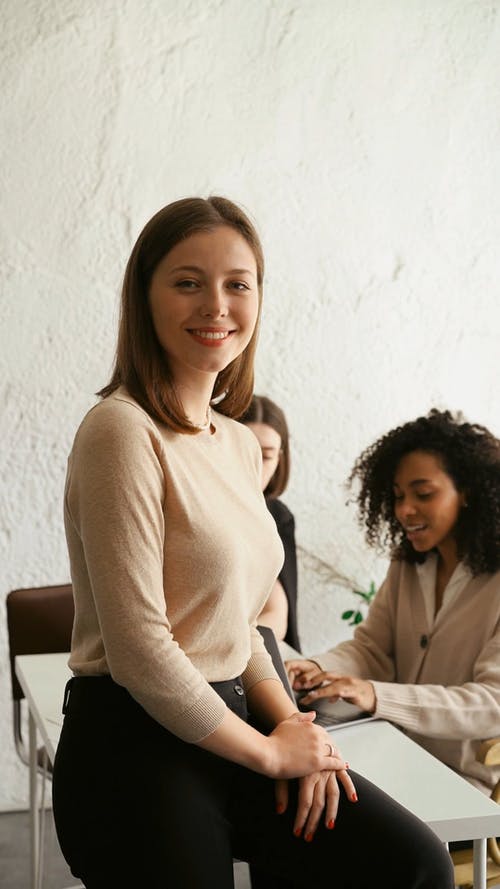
268,423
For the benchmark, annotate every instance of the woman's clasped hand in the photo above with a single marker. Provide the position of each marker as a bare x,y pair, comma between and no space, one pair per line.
319,794
298,747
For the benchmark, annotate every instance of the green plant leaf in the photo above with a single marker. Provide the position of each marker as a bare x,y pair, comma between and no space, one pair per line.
356,616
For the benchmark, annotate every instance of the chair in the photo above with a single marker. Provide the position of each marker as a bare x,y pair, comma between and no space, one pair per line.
489,754
39,621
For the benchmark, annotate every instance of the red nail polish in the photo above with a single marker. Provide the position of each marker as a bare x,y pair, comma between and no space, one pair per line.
280,808
354,797
331,824
297,832
346,765
309,837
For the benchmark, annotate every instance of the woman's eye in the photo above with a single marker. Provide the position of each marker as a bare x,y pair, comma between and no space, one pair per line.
397,498
238,285
424,496
267,455
186,284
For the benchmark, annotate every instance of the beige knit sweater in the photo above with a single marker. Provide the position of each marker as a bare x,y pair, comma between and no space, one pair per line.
173,553
441,684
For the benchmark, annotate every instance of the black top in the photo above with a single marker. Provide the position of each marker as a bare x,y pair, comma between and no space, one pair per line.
285,524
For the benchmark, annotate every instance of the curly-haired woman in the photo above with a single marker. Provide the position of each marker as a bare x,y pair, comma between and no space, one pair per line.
428,655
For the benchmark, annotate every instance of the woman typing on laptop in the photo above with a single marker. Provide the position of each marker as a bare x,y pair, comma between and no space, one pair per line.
427,657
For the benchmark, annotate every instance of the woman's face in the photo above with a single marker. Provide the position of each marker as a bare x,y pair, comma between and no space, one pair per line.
270,445
426,502
204,302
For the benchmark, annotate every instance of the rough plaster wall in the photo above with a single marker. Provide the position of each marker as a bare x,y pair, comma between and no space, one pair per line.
362,136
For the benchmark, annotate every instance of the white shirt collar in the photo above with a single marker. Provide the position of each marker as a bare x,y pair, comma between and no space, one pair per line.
427,578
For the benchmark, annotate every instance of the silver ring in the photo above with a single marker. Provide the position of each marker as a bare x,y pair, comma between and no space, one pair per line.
330,750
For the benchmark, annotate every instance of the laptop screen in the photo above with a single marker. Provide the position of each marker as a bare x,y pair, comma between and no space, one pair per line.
328,714
272,647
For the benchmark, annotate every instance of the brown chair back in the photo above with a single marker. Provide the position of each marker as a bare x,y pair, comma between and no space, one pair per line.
40,621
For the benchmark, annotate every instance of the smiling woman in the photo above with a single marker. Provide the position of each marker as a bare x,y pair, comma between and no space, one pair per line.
204,300
423,658
427,505
161,776
141,360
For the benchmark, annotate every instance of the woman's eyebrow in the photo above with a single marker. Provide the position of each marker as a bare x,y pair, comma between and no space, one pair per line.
196,268
186,268
415,482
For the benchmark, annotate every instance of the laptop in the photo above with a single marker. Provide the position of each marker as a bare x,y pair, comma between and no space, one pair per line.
330,715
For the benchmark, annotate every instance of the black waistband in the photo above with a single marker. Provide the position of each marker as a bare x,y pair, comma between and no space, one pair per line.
102,692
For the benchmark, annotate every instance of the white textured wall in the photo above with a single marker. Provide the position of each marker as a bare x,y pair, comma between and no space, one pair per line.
363,137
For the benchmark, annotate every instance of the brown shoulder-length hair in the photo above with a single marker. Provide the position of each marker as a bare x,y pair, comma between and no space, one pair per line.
263,410
141,364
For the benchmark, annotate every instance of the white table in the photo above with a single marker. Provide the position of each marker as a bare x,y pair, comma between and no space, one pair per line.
447,803
42,678
453,808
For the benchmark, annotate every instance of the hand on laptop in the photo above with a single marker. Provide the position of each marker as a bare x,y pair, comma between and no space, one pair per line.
331,686
300,672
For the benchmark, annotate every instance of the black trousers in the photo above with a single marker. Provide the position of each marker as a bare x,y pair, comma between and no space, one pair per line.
134,806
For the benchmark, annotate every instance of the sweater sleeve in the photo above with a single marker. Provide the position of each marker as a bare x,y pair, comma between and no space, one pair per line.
115,529
260,665
370,653
459,712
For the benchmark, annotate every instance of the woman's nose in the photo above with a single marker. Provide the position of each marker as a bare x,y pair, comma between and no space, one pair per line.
405,508
214,303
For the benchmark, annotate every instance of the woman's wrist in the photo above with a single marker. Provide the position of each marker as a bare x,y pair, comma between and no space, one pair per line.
269,703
